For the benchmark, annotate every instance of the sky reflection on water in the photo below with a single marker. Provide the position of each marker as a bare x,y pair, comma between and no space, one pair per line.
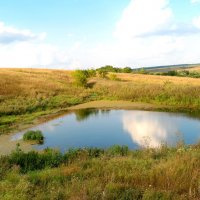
103,128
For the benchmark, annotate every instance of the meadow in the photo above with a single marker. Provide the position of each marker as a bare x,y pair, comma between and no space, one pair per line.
28,94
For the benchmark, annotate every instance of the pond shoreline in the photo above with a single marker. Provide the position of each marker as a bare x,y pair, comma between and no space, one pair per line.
103,104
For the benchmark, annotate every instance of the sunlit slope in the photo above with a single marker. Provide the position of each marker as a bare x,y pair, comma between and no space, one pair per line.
35,92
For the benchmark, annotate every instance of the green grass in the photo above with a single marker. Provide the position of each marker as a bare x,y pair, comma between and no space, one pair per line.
35,136
114,173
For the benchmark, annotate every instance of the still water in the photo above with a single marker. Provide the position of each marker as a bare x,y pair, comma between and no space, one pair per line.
104,128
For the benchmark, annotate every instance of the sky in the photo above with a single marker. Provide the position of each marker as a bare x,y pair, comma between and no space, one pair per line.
72,34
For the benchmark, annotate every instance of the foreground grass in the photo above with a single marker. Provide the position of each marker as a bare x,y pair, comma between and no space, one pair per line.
27,94
115,173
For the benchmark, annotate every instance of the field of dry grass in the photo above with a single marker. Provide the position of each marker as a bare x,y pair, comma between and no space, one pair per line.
197,68
26,94
30,82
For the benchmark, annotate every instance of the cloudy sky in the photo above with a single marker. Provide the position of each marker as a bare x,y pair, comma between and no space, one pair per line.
91,33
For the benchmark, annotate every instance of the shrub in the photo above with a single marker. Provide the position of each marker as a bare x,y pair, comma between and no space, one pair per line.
91,73
36,136
80,77
126,70
102,73
172,73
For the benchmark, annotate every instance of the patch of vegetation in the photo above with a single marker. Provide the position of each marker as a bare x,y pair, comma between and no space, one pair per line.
81,77
35,136
179,73
109,68
102,73
93,173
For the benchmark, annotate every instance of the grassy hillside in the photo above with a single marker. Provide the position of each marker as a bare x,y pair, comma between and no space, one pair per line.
27,94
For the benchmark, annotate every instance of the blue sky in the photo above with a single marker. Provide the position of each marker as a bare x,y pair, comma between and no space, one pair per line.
61,18
89,33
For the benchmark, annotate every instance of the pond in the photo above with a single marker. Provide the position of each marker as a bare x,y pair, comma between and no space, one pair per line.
104,128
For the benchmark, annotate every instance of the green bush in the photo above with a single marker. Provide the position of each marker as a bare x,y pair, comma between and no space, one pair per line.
126,70
91,73
36,136
109,68
80,77
102,73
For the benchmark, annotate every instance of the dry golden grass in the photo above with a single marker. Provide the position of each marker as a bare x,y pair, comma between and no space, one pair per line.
194,69
30,91
159,80
31,81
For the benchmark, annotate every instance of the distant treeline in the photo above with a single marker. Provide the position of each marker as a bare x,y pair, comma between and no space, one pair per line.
109,68
181,73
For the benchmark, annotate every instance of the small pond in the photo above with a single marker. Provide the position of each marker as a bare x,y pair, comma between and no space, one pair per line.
104,128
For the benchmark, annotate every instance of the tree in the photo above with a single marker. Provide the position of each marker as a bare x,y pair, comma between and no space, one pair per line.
127,70
102,73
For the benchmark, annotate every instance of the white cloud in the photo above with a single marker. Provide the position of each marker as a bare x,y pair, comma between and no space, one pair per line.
147,35
29,54
195,1
142,17
22,48
196,22
9,34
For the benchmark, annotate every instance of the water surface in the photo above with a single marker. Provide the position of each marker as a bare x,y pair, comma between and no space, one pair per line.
104,128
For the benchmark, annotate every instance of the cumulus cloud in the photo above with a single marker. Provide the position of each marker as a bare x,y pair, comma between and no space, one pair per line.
23,48
10,34
143,17
147,34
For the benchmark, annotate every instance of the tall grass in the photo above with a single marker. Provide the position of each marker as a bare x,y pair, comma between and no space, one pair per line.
165,173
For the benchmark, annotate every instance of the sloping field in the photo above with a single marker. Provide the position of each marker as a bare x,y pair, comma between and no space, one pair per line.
26,94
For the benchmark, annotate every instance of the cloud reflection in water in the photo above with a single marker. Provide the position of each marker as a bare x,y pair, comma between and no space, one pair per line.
149,129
